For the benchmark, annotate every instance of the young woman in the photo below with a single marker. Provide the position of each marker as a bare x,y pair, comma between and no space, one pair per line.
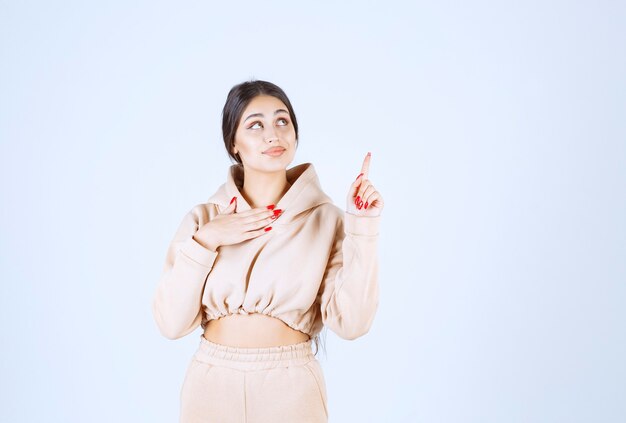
262,266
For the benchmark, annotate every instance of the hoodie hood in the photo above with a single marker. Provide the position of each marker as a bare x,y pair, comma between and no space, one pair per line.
305,192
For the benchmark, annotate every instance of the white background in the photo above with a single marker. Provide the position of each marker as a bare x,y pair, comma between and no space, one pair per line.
497,132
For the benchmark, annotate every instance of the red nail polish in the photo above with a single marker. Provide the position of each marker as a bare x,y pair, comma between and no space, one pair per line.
268,228
358,176
360,205
271,207
366,203
277,212
358,198
233,199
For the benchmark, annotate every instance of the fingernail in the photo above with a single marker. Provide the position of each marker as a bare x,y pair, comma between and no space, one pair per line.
231,201
369,154
358,198
366,203
358,176
268,228
271,207
277,212
360,205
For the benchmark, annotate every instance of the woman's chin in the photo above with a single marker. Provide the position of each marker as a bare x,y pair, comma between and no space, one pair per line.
272,164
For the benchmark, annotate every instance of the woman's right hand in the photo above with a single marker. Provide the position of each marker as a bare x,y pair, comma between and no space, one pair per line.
230,227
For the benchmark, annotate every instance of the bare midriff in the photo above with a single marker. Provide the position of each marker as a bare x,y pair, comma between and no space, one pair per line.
252,330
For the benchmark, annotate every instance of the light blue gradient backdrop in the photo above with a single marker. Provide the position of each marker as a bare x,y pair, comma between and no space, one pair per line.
499,144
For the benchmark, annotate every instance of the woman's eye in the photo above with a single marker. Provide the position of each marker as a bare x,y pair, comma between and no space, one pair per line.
285,120
253,125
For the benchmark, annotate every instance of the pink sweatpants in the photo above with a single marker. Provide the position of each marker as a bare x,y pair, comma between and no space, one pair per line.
225,384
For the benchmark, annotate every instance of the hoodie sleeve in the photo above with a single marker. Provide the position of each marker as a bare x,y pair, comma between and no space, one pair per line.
177,303
349,290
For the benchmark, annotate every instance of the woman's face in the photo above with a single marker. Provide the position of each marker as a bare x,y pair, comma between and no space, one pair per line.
264,124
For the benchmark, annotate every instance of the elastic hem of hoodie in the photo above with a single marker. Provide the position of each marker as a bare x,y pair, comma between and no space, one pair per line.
241,310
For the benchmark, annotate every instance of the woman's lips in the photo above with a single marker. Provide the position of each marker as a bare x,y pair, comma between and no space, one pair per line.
274,151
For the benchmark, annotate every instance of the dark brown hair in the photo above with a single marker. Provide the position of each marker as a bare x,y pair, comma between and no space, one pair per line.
238,99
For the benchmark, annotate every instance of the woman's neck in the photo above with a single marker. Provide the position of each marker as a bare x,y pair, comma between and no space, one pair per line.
261,189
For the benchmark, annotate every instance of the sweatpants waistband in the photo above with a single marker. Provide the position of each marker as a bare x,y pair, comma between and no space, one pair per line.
253,358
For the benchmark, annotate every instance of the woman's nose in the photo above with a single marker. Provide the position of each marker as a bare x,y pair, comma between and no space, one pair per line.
270,135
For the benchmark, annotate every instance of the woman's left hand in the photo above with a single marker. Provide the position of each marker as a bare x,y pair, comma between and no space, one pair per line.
363,199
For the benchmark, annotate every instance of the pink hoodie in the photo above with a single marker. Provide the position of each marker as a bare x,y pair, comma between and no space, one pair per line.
317,266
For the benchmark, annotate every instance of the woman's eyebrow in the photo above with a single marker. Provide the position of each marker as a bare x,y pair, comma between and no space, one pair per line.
261,114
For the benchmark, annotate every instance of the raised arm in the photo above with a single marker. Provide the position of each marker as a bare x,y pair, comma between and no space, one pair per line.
348,296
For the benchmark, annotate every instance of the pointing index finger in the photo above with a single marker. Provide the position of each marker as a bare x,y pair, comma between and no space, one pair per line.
366,165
